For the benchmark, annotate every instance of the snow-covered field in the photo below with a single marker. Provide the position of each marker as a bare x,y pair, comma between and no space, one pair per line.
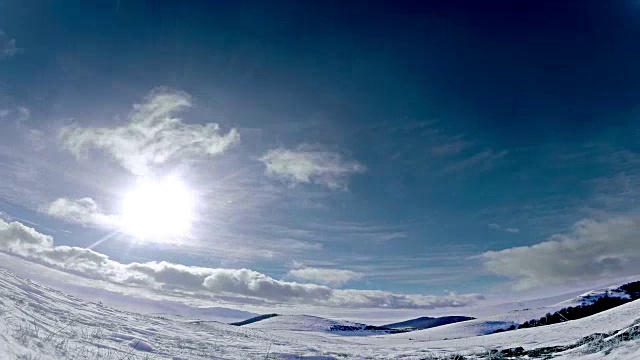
37,322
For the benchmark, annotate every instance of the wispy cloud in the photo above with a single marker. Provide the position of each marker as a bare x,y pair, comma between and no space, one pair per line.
450,146
482,160
592,180
81,211
152,136
327,276
19,114
308,164
239,284
592,250
338,230
512,230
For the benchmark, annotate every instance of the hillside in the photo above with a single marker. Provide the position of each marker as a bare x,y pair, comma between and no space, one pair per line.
609,323
427,322
318,324
587,304
253,319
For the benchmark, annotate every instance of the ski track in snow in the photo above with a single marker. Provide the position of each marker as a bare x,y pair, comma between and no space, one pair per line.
37,322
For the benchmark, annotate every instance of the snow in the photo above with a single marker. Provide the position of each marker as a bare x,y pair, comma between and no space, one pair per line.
299,357
297,323
37,322
592,296
141,345
531,338
427,322
305,323
487,324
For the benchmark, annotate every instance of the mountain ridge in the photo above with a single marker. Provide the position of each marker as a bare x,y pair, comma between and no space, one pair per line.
426,322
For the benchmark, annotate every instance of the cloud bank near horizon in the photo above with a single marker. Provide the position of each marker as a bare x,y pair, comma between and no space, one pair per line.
243,285
592,250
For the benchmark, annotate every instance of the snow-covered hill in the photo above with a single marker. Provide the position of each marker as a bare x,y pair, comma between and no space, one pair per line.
592,296
426,322
570,333
37,322
317,324
489,324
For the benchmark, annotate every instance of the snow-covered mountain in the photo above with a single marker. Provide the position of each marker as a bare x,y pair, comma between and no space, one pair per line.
37,322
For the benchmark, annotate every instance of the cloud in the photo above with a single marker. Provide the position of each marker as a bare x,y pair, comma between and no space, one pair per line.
450,146
19,114
309,165
81,211
242,285
592,250
494,226
335,277
18,237
152,136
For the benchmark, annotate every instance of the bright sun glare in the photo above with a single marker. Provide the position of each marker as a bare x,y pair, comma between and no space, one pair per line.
158,209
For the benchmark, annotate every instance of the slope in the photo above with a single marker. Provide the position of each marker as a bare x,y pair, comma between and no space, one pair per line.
427,322
308,323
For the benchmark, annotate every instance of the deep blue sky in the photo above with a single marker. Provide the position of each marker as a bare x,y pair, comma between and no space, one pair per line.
482,125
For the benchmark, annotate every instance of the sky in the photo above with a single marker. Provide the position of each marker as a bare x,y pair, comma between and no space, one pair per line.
347,155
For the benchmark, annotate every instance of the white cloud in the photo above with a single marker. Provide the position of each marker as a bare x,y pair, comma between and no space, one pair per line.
309,165
18,237
513,230
152,135
592,250
335,277
82,211
242,285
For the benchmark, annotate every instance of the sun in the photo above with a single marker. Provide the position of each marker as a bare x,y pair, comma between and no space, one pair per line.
158,209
